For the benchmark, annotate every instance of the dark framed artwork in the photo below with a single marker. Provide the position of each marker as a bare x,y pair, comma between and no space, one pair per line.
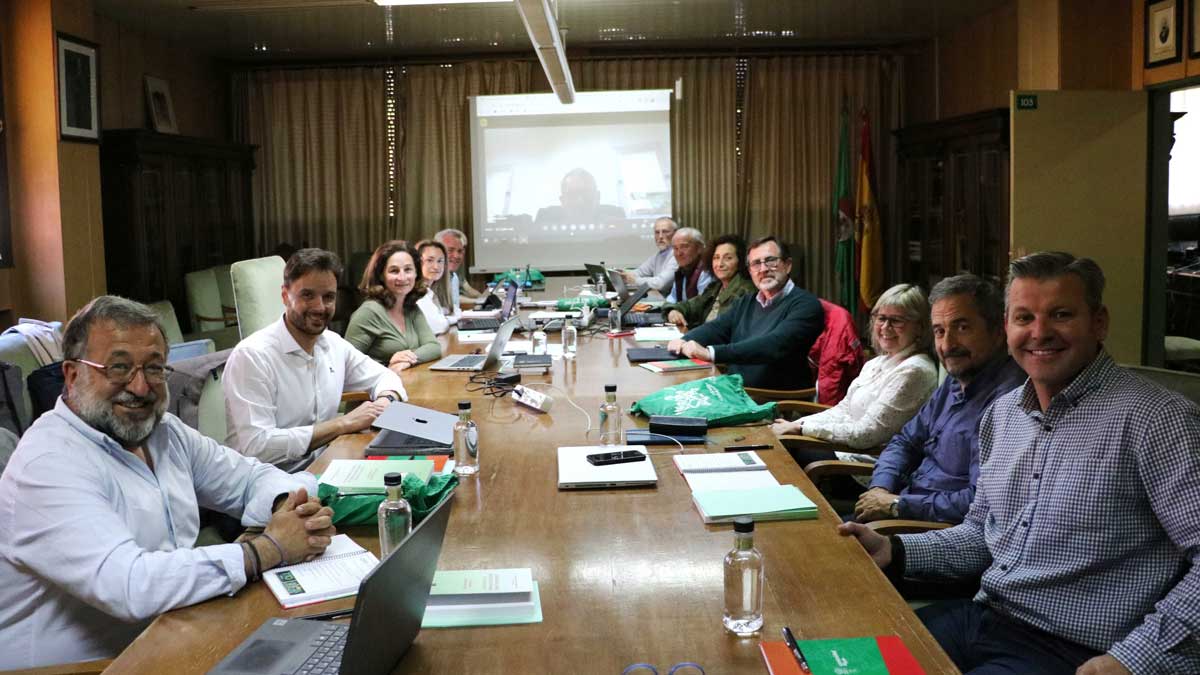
1164,19
162,108
78,89
1193,26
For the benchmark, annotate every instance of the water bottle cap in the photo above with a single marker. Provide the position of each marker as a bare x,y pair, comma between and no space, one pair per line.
610,387
390,479
743,524
464,405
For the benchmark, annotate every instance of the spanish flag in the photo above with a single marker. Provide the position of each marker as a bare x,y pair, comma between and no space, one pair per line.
866,224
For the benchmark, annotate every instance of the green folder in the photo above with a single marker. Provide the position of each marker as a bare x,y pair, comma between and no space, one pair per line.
782,502
365,476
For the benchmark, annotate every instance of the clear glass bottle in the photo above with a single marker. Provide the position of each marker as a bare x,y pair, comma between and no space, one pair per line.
570,339
395,516
610,418
539,339
614,318
601,282
466,442
743,581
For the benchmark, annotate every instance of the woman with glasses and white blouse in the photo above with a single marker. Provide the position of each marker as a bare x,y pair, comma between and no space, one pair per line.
438,306
891,388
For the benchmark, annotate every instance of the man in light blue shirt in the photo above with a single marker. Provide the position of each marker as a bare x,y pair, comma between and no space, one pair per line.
99,506
659,269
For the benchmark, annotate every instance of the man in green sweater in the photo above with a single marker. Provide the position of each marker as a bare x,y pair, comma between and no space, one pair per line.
766,336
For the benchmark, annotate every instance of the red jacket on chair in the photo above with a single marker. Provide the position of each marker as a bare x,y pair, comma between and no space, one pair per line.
837,356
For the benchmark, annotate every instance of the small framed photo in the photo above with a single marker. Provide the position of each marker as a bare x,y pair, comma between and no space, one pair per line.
162,108
78,90
1164,19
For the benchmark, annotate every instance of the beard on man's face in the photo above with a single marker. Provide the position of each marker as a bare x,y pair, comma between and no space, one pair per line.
130,430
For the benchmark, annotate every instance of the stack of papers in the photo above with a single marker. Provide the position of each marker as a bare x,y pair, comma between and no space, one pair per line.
475,337
656,334
364,476
782,502
482,598
725,471
675,365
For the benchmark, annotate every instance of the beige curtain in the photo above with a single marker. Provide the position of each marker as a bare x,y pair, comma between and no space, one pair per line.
322,174
703,135
435,171
790,145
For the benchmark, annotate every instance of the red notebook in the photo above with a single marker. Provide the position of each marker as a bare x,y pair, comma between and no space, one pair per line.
881,655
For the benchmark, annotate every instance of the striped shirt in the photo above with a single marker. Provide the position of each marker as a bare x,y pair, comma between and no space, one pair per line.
1086,520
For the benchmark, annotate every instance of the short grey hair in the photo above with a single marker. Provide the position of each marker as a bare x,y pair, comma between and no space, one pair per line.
1053,264
985,294
690,233
121,311
451,232
909,299
667,219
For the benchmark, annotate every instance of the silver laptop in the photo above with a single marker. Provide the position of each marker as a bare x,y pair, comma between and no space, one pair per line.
387,617
407,426
575,472
480,362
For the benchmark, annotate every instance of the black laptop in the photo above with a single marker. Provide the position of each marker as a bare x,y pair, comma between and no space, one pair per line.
387,617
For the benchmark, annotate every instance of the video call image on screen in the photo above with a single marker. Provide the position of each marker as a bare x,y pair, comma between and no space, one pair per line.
556,185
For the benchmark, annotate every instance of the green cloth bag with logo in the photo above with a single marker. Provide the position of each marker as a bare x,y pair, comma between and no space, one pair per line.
577,303
520,277
721,400
363,509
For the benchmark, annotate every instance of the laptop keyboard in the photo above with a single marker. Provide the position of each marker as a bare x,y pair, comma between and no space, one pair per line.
328,657
469,361
478,324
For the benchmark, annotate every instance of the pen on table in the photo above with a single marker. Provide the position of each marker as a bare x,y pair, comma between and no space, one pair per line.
743,448
791,643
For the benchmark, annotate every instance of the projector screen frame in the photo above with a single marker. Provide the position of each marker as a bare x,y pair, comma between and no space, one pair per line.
477,167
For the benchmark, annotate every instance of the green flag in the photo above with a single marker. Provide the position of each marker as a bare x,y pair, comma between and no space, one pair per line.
847,294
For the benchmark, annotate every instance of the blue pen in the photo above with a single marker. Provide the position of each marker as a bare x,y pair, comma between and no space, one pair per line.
792,645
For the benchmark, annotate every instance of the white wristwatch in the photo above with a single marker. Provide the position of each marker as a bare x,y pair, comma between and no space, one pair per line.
895,508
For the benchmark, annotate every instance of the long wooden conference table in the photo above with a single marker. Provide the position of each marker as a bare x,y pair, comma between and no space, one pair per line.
626,575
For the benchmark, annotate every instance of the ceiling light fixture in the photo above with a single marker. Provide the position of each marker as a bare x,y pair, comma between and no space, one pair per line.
542,26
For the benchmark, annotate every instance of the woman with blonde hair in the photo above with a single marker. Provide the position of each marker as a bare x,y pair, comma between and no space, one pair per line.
389,326
891,388
438,305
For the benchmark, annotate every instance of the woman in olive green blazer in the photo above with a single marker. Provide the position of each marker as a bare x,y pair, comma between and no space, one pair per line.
726,256
388,326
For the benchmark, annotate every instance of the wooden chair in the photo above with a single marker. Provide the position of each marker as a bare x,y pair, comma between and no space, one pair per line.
818,471
767,395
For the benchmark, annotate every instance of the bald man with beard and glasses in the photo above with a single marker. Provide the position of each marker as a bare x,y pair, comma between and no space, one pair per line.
284,383
99,506
659,269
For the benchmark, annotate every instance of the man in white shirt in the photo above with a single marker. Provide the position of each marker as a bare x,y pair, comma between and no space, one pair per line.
99,506
283,384
456,252
659,269
691,275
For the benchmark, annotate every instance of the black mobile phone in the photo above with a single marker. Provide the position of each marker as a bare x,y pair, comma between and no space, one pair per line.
616,457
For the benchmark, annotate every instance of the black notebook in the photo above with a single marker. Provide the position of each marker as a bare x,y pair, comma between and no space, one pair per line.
647,354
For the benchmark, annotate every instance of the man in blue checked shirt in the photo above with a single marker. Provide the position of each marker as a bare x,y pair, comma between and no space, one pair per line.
1085,525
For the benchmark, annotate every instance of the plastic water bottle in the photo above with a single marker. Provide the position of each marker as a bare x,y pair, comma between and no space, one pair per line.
395,516
570,339
610,418
601,282
466,442
539,339
614,318
743,581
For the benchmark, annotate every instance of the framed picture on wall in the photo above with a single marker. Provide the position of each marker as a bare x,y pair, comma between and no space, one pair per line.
78,89
1193,26
162,108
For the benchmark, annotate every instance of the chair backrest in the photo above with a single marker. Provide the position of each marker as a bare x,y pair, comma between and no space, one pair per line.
1185,383
204,300
14,350
225,290
170,323
211,408
256,295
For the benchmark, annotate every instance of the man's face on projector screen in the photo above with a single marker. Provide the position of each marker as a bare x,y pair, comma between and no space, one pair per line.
579,195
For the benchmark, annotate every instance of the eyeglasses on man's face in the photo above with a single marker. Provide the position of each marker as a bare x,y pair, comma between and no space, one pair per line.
770,262
121,373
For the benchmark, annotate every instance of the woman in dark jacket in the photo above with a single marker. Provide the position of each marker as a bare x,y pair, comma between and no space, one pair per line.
726,256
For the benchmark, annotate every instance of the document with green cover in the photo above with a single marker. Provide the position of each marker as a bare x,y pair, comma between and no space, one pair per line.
482,598
359,476
783,502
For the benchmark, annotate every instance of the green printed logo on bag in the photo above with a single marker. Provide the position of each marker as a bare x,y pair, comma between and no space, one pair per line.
721,400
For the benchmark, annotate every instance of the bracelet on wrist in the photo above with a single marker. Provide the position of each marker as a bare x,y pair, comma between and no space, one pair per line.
282,558
255,562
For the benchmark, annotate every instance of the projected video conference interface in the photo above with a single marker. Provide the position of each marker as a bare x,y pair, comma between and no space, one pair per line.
556,185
